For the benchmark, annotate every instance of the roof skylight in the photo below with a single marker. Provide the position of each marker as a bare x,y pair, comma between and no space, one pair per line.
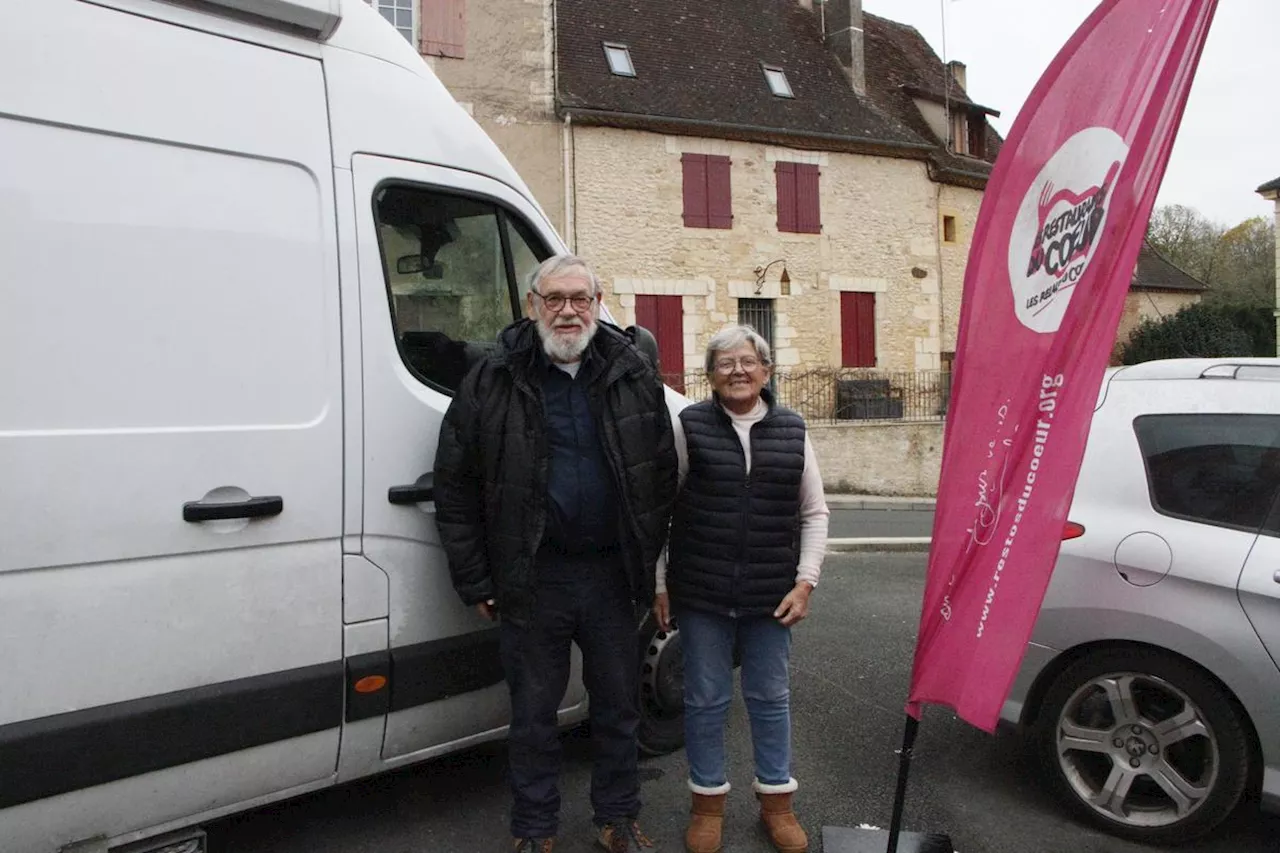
619,56
777,79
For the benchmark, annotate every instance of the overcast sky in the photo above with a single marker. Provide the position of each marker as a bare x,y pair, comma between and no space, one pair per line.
1229,142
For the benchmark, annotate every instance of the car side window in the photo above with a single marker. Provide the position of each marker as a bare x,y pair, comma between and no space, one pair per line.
453,267
1219,469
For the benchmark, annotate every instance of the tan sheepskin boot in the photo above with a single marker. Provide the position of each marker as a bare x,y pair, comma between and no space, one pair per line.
779,821
706,819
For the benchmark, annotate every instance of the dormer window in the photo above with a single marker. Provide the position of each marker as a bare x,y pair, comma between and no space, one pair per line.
777,80
969,134
619,57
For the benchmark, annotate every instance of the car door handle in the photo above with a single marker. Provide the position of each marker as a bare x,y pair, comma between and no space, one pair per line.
1276,577
414,493
250,508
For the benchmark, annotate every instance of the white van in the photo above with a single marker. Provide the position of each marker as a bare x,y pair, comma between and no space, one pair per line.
247,248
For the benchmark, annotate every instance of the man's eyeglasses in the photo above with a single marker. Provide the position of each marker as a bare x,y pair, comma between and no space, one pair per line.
556,301
728,365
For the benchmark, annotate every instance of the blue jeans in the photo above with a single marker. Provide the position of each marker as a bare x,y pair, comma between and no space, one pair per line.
708,640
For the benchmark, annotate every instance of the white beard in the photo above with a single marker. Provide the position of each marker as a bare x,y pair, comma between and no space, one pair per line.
566,350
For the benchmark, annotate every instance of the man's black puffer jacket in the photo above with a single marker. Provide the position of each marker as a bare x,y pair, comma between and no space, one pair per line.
492,463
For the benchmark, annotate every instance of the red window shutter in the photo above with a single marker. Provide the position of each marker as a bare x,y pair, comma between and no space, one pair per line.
786,176
664,317
719,199
647,314
443,28
695,190
867,328
808,216
858,329
670,335
429,28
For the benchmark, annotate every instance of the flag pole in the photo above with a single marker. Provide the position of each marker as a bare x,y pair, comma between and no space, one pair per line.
904,769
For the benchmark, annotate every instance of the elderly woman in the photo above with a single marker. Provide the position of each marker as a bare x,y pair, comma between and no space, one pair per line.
747,538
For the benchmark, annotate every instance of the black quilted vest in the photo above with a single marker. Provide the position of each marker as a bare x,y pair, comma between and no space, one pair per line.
735,537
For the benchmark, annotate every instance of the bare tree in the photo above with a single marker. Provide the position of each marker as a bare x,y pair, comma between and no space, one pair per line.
1238,264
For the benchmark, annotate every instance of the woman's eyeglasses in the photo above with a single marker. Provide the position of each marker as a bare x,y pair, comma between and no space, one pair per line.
728,365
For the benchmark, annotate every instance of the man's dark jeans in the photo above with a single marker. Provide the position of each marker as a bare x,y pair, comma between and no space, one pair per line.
587,602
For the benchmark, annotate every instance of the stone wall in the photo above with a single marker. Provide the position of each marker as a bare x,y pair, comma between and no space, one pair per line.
879,459
880,219
506,83
962,204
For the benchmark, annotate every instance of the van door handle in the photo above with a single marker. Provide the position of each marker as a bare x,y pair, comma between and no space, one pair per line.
414,493
250,508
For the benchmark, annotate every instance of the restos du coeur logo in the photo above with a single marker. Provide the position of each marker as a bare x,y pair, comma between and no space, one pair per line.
1060,223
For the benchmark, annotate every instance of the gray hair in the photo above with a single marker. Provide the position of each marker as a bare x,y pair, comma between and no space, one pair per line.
732,337
556,266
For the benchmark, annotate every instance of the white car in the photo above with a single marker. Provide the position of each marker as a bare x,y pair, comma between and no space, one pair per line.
1150,686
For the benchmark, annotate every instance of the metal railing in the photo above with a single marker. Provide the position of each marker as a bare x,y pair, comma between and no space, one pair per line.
829,395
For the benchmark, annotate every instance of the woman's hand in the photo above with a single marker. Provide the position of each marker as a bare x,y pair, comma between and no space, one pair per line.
795,606
662,610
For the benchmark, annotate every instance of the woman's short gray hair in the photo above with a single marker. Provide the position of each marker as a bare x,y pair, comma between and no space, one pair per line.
556,266
732,337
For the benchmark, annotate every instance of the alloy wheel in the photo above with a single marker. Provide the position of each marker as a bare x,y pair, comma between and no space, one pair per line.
1137,749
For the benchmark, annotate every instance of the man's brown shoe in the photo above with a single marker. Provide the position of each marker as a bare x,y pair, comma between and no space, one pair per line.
623,836
532,845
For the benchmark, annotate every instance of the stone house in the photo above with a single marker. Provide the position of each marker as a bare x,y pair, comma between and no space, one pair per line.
809,168
1271,192
730,166
1159,288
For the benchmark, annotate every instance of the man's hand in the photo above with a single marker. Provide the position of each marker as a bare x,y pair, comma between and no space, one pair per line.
795,606
488,609
662,610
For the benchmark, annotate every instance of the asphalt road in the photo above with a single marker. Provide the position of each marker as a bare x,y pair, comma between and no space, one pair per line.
850,668
880,522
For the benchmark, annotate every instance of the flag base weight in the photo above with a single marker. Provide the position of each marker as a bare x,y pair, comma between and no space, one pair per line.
842,839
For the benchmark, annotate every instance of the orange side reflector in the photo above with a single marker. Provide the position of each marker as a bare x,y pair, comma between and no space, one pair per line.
371,684
1072,531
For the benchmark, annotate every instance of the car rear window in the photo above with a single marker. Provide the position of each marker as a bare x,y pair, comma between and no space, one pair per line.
1217,469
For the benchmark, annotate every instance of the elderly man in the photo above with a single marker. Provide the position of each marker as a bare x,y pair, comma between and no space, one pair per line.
554,483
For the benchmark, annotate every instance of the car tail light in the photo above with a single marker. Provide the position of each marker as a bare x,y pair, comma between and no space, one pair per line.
1072,531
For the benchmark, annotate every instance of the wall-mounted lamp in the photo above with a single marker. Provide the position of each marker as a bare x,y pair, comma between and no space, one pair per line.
784,280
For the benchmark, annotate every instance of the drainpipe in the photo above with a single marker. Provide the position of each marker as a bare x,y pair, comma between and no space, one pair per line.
567,145
937,233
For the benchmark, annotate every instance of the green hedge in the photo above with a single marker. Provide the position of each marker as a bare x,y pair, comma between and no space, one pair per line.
1203,331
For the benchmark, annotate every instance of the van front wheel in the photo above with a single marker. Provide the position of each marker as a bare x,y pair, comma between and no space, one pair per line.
661,689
